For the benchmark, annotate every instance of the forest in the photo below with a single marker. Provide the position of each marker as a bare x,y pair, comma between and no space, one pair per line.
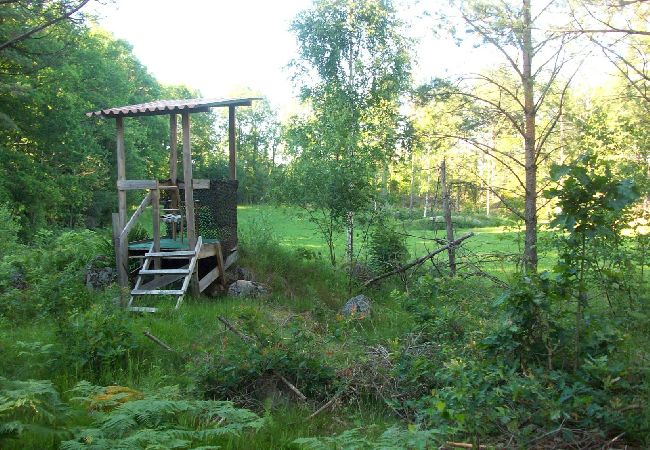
456,263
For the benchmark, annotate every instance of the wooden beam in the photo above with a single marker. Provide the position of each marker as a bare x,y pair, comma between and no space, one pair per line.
155,203
231,142
231,259
121,170
187,178
197,183
208,279
122,275
220,265
134,218
132,185
173,148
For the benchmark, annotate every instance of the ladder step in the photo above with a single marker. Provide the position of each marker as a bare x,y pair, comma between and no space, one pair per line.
164,271
158,292
143,309
183,253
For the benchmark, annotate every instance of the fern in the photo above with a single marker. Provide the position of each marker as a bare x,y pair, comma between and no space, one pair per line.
394,438
160,423
32,406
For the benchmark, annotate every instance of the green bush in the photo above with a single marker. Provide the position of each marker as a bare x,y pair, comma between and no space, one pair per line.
96,338
387,248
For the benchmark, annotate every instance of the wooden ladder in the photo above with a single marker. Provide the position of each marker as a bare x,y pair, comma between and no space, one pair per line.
164,277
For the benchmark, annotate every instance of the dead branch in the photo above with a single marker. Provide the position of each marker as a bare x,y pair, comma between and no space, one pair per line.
247,338
419,260
158,341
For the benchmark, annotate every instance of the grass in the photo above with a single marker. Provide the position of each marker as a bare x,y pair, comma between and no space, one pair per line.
290,256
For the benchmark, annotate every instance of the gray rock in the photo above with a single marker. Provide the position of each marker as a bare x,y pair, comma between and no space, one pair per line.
247,289
97,275
357,306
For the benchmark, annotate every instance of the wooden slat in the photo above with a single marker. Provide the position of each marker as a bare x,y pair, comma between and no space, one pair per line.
198,183
157,292
208,250
155,204
208,279
164,271
187,178
132,185
134,218
143,309
179,253
162,281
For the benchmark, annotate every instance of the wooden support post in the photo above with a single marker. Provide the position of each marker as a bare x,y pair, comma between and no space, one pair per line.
120,264
155,206
187,179
173,165
121,169
231,142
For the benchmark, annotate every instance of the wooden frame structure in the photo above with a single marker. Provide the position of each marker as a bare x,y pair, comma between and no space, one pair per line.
196,247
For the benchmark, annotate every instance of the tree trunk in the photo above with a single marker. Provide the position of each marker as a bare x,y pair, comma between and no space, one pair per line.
428,186
350,242
412,185
446,208
530,209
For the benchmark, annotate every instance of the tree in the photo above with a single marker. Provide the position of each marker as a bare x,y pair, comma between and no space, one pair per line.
526,97
619,29
354,65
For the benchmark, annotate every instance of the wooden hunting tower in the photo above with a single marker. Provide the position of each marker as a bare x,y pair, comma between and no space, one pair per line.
201,240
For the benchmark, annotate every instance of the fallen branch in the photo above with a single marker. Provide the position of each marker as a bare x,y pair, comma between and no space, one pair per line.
419,260
463,445
326,405
158,341
246,338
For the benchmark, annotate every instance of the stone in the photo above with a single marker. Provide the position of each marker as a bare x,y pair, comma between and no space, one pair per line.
247,289
98,276
358,306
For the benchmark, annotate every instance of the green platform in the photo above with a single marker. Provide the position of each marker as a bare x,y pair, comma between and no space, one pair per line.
167,244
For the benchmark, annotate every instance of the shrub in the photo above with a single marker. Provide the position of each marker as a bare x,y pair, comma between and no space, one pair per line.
96,338
387,249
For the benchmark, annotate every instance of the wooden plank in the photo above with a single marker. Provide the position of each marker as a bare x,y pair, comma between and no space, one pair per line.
122,275
161,281
173,149
187,178
193,276
197,183
157,292
164,271
179,253
155,203
208,250
143,309
231,142
208,279
173,165
133,185
121,170
134,218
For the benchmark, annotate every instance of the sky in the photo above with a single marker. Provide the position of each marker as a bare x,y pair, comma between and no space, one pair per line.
219,46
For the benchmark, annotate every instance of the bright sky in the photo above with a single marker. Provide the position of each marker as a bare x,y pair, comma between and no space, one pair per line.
218,46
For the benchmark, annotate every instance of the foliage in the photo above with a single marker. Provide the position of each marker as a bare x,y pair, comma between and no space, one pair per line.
30,407
160,422
394,438
97,338
242,367
387,248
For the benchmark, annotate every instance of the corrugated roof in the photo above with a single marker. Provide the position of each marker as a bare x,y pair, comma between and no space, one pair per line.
171,106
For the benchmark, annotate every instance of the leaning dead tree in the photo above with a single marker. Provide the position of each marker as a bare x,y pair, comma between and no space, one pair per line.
420,260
